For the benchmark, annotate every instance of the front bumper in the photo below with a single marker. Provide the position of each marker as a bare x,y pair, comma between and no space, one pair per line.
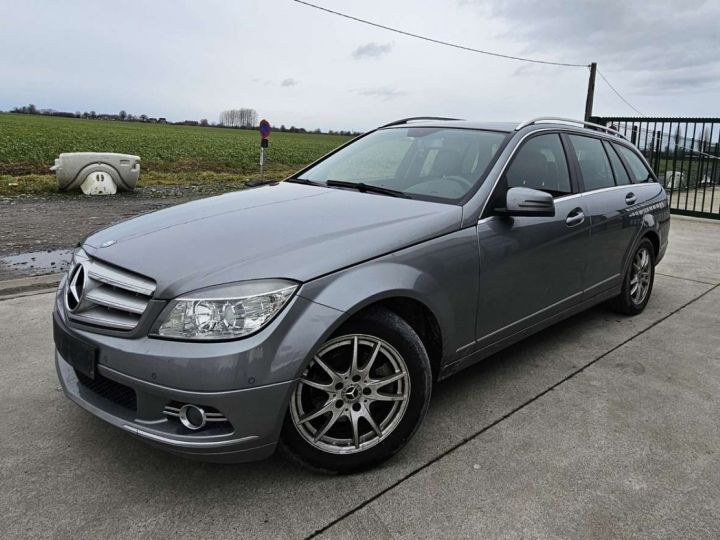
248,381
254,416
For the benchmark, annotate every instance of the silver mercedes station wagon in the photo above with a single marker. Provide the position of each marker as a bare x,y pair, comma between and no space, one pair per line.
316,313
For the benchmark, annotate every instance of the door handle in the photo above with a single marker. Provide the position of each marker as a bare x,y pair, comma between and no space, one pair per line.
630,198
576,217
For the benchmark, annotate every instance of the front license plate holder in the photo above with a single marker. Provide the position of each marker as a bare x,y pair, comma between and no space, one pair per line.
80,355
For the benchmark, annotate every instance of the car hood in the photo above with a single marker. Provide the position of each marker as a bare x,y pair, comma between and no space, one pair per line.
276,231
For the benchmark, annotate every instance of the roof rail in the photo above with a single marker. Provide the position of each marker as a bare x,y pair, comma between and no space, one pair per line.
552,119
406,120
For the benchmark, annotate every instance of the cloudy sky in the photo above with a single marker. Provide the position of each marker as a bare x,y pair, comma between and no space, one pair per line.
186,59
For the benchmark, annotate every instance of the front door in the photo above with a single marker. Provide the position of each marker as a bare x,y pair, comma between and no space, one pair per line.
531,267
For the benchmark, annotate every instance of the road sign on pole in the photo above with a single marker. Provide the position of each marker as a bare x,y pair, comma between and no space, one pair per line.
264,132
264,129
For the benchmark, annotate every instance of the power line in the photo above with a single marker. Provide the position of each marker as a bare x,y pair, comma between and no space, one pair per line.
618,93
437,41
464,48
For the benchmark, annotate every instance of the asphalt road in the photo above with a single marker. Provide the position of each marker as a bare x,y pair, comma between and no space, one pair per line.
601,426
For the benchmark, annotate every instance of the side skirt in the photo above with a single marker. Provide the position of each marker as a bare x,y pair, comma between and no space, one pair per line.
492,348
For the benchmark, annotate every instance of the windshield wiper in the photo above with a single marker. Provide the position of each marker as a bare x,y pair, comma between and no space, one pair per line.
304,181
261,182
362,187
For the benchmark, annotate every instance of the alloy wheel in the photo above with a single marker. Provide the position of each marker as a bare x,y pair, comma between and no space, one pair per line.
352,395
640,276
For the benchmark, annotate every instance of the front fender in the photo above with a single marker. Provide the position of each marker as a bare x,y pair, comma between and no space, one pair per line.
442,274
356,288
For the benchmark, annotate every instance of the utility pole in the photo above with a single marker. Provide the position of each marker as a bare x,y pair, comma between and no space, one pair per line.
590,92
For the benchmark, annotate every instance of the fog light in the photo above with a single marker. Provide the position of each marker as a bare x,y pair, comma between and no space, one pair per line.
192,417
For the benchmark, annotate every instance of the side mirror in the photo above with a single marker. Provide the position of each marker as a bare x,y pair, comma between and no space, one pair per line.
521,201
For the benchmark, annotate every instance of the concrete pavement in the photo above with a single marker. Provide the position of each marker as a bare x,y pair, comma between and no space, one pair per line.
629,447
599,426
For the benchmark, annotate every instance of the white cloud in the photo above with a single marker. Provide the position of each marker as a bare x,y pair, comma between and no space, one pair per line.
178,59
383,93
372,50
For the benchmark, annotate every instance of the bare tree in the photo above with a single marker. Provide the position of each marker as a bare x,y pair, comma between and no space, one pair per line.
240,118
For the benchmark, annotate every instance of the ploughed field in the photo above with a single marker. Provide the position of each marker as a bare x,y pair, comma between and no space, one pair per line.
170,154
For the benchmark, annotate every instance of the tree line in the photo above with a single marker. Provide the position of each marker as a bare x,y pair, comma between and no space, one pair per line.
243,118
122,116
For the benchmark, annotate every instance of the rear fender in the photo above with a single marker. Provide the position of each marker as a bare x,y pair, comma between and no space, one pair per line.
649,224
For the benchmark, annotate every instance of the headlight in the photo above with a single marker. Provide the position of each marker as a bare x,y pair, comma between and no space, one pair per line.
225,312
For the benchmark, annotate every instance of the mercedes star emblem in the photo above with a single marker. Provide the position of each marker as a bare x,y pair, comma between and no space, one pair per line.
76,287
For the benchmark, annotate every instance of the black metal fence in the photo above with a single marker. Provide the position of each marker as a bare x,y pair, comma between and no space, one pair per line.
685,155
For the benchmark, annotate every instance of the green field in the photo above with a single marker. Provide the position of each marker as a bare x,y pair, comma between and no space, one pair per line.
29,145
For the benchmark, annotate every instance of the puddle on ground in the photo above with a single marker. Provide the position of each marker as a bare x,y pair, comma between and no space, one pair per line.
35,263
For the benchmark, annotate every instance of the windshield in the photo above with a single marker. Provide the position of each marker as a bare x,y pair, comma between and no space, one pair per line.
442,164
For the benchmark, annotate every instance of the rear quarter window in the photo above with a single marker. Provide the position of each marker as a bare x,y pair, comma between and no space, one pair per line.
621,176
639,173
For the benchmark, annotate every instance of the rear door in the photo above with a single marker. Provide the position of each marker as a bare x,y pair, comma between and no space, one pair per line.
610,199
531,267
644,187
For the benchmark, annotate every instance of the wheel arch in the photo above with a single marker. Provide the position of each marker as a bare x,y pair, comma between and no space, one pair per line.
650,231
414,296
420,318
654,238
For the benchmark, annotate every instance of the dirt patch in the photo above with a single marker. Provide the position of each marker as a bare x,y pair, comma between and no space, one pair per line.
32,225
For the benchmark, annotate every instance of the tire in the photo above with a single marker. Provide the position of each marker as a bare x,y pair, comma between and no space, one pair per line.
341,439
642,266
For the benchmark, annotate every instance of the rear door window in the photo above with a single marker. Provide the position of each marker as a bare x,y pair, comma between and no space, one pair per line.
621,176
594,164
638,170
541,164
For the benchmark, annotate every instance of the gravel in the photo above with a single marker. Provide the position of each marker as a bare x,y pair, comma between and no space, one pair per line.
38,232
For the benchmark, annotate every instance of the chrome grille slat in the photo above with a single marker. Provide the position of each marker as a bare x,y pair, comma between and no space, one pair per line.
112,298
118,278
108,297
103,317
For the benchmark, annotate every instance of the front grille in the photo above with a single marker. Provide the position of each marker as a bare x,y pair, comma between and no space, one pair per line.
111,390
110,298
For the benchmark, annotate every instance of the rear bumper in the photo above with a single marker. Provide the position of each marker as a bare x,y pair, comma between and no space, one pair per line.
255,416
